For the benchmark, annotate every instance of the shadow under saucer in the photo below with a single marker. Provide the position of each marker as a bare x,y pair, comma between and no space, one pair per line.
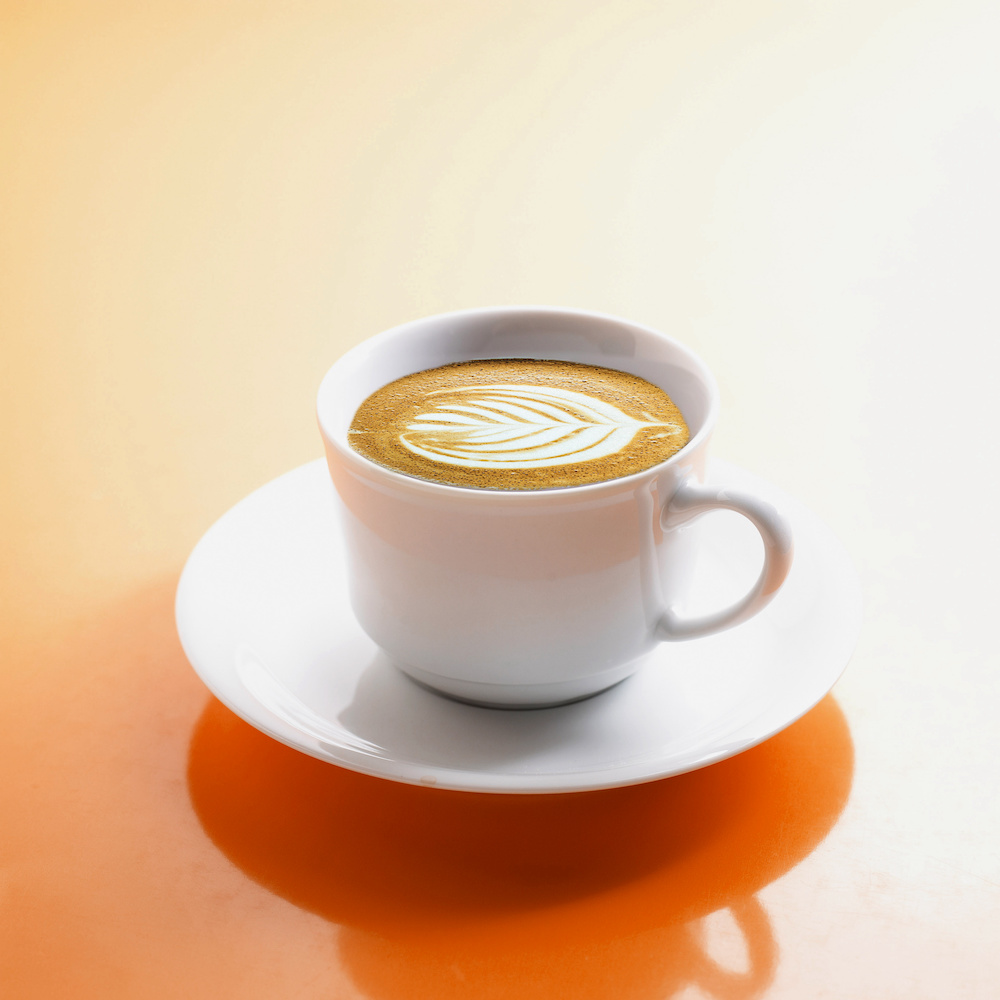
445,894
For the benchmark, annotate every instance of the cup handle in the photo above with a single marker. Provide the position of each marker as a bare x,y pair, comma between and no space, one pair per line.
692,499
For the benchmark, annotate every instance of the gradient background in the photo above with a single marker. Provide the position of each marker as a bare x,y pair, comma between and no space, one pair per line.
203,204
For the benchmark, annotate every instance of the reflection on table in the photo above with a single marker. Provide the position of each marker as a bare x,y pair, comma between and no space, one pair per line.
599,894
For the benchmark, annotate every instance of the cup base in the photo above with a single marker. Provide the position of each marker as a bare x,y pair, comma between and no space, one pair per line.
519,696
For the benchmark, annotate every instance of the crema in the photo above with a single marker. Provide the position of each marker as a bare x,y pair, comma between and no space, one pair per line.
518,424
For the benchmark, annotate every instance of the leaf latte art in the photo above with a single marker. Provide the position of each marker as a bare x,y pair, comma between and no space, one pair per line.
520,426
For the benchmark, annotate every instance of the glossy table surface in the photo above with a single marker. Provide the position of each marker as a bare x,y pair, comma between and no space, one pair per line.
205,204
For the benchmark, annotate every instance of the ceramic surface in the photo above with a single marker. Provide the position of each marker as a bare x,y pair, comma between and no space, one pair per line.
539,597
263,615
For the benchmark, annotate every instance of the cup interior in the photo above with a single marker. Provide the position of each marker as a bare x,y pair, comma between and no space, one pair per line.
517,332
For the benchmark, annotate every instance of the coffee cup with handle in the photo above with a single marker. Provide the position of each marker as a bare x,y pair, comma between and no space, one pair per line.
531,598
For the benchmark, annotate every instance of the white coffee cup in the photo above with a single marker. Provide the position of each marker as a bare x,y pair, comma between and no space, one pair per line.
530,598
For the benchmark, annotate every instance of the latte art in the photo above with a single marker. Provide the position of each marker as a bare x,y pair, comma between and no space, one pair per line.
519,427
518,424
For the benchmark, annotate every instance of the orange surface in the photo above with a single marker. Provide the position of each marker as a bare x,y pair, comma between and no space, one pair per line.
159,846
202,205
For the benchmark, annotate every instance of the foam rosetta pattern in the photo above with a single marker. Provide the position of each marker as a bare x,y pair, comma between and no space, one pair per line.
518,424
521,426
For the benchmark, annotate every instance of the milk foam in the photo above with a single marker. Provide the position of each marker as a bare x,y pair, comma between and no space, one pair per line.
520,427
518,424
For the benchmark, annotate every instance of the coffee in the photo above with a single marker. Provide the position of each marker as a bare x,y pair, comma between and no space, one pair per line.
518,424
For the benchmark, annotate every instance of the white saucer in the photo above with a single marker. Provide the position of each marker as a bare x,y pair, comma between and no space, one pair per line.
263,615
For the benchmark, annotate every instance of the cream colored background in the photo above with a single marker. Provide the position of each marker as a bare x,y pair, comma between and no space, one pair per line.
204,204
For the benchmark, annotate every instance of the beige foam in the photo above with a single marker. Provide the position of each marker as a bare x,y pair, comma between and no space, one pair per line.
558,424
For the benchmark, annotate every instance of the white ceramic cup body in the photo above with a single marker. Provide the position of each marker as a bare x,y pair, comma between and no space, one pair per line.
536,597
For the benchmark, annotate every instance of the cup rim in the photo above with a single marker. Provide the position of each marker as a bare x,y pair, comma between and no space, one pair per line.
403,480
